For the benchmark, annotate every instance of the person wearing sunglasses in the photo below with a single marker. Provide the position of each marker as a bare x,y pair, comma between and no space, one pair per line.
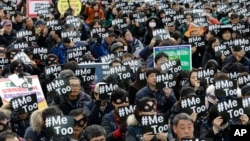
146,106
80,122
111,122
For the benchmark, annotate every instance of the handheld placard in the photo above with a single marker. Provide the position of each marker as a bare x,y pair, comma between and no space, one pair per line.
86,74
133,64
59,86
193,104
206,76
125,111
53,71
105,90
243,80
59,125
40,53
122,72
161,34
74,36
76,53
225,88
172,66
165,80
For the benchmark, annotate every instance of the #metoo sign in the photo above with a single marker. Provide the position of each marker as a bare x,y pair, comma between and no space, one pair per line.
25,104
59,125
105,90
193,104
165,80
125,111
154,123
224,88
206,76
86,74
173,66
59,86
231,108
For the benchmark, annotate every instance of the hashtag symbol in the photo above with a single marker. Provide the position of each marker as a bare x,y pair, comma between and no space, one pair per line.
199,74
245,102
163,67
158,78
112,70
220,107
15,104
49,87
70,55
141,76
144,120
121,112
35,51
217,85
101,89
48,71
236,42
240,80
184,103
48,122
77,72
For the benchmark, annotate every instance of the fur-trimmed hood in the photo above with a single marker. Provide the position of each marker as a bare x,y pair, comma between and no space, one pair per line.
131,120
36,120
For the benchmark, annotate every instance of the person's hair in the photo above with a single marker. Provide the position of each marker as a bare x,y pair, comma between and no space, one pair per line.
151,70
234,16
58,33
77,112
93,131
66,40
221,76
68,12
176,35
51,110
66,73
8,53
181,116
189,77
94,22
137,83
125,31
18,13
115,61
8,135
27,18
75,78
209,48
212,64
15,63
118,94
139,109
160,55
189,14
73,65
236,67
127,54
182,75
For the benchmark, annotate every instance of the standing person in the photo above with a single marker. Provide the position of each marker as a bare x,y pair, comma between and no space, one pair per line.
114,127
94,132
183,126
165,97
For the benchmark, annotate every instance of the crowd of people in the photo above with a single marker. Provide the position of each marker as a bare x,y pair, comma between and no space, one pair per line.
125,29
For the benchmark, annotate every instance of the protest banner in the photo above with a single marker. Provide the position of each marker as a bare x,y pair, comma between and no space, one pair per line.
59,125
9,90
32,7
183,52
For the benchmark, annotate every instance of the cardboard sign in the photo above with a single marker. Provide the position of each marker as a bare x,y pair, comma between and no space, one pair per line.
101,69
4,61
206,76
105,90
122,71
52,71
182,52
161,34
120,23
22,56
59,125
24,104
154,123
133,64
76,21
99,32
54,25
59,86
172,66
33,5
165,80
40,52
20,45
198,41
86,74
125,111
76,53
193,104
72,35
63,5
224,88
246,105
231,108
243,80
9,90
26,35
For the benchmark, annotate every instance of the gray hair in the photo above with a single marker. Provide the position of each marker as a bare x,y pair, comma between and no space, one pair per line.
67,73
182,116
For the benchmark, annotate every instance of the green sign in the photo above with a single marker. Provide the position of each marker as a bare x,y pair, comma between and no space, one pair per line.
183,52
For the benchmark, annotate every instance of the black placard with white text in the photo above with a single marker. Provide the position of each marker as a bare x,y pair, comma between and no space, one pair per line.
105,90
86,74
224,88
59,86
193,104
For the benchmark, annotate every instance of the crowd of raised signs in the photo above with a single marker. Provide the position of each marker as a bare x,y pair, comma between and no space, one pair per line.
143,70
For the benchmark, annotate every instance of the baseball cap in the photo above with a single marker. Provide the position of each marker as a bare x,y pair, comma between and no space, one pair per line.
7,22
116,46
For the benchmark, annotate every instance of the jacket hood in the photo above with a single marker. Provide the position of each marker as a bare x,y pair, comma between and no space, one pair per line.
131,120
36,120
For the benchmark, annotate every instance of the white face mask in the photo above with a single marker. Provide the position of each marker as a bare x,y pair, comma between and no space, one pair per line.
152,24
